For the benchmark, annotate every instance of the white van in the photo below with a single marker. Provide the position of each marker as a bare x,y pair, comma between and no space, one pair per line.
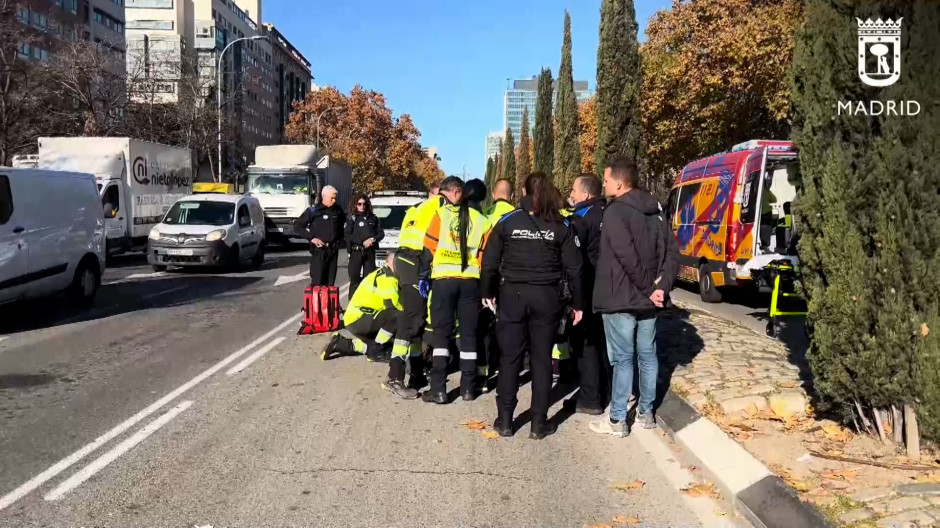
51,235
390,207
209,230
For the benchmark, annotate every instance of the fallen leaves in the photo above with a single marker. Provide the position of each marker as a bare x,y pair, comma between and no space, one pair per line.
490,435
928,478
791,481
625,520
844,474
779,410
474,425
628,486
836,433
924,330
739,430
701,489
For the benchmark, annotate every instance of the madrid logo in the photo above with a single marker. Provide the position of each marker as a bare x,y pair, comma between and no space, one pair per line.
880,41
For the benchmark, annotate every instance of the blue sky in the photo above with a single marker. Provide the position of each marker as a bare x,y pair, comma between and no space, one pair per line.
445,62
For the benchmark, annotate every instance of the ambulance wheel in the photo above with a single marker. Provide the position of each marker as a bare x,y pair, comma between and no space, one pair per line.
706,288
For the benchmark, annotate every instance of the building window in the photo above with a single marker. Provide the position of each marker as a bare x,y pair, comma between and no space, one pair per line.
39,20
22,14
149,24
153,4
25,51
118,2
108,21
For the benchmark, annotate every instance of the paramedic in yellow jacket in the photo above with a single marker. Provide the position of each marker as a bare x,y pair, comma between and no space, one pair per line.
452,246
413,292
371,317
502,201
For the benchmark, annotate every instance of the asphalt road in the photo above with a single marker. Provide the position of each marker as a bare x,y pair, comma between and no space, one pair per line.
186,399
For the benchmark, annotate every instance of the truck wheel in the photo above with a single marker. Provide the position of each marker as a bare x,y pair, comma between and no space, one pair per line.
86,282
258,260
706,288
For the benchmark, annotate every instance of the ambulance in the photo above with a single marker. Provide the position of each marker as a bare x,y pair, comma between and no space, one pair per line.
730,214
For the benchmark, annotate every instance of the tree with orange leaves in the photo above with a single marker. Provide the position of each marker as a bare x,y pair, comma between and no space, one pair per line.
587,120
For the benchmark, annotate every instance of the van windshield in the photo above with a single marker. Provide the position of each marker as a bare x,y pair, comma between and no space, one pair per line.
201,213
390,216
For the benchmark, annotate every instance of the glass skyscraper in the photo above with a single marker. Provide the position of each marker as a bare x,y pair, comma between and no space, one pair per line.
524,93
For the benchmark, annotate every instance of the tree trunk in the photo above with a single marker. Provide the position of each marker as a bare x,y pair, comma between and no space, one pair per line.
911,433
880,425
898,424
861,415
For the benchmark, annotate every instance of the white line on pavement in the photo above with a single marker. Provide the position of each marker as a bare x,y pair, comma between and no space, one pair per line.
64,464
252,358
164,292
101,462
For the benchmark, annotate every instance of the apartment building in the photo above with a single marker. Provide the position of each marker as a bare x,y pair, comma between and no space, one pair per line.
292,72
100,21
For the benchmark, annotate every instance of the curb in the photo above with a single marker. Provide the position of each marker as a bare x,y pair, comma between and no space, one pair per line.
762,497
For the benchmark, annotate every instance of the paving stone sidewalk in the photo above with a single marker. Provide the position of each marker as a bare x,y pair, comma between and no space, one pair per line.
727,369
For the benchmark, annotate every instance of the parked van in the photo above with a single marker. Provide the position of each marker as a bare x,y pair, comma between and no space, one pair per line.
51,235
209,230
730,213
390,207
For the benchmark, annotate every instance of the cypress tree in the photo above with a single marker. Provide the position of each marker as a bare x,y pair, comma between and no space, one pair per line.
523,162
498,162
544,161
567,148
509,157
619,126
868,216
489,179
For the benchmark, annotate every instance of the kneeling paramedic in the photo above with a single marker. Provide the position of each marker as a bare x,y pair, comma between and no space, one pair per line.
371,318
453,243
414,293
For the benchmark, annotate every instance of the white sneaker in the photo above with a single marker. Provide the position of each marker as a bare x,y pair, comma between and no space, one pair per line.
603,425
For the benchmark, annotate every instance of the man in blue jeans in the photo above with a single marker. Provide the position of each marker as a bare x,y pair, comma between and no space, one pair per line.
638,262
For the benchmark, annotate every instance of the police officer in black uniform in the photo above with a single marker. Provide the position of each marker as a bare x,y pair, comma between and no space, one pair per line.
322,225
529,253
587,340
363,233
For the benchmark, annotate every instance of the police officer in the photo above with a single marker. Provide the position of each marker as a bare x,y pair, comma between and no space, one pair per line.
587,339
529,253
322,225
413,290
453,242
363,233
502,201
371,318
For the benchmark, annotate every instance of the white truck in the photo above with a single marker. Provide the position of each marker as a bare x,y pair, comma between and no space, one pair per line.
138,181
287,179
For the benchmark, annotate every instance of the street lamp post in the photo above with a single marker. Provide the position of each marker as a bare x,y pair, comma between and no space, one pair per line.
318,123
218,90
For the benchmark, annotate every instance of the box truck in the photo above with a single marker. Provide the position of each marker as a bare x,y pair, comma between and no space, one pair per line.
138,181
287,179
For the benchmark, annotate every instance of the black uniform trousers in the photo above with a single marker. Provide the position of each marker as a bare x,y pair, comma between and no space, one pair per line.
414,312
528,321
450,297
589,346
361,263
487,342
323,265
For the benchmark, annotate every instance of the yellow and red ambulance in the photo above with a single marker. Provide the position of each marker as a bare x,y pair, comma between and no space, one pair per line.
730,213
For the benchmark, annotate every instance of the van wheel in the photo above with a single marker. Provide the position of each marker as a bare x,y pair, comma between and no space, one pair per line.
258,260
158,268
234,259
86,282
707,288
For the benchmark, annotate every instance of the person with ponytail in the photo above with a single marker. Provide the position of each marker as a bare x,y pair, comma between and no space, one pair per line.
531,255
453,244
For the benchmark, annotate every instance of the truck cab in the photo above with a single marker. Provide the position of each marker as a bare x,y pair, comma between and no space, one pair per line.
390,207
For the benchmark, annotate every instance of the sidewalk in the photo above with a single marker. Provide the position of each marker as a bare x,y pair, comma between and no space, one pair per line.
758,391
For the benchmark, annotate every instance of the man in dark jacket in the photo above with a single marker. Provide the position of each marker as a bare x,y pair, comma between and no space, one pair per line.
587,339
322,225
638,262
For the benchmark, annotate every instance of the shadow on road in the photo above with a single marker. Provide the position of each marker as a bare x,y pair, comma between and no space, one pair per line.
117,299
677,345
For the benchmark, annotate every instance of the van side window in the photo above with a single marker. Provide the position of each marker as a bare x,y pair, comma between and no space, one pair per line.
243,217
6,200
750,206
111,197
686,200
671,202
257,217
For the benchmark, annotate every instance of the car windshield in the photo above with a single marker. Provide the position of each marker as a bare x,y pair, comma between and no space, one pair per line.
390,216
201,213
277,184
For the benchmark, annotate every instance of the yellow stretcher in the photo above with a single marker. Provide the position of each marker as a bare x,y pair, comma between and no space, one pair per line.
782,275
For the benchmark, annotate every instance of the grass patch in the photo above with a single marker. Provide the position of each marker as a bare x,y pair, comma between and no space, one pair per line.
839,507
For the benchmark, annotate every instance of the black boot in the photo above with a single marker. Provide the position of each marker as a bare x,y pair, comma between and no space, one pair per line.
503,425
376,353
337,346
418,378
439,398
542,427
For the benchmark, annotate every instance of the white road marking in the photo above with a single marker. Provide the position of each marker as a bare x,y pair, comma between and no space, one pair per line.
68,461
145,275
287,279
101,462
252,358
164,292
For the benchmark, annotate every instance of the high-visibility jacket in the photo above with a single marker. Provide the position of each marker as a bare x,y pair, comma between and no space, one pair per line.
565,213
378,291
497,210
415,223
442,239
